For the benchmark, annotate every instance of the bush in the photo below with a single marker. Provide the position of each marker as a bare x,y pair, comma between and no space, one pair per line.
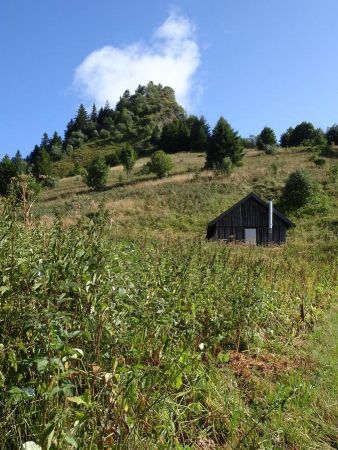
266,137
97,173
333,174
299,190
319,161
51,182
269,149
104,134
128,158
160,163
113,159
226,165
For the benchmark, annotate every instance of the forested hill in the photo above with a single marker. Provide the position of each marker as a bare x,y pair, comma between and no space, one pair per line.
148,119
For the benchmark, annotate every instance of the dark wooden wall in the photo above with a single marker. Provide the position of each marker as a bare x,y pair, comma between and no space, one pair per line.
250,214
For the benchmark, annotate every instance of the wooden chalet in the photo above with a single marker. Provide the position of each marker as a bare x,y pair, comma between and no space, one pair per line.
251,220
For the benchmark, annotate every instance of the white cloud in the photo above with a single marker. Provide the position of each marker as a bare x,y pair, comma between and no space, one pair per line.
171,59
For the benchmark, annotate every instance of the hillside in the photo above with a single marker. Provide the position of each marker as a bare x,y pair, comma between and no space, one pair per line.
184,202
124,328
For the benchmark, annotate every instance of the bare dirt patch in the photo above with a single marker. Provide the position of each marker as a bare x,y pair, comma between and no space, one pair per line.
245,365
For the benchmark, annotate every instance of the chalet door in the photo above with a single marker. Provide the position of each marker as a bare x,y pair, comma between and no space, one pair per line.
250,236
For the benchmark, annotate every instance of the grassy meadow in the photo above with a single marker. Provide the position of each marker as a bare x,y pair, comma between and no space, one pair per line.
122,328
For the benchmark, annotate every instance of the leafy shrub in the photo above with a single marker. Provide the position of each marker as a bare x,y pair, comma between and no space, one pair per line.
128,158
269,149
160,163
326,150
299,190
319,161
226,165
113,159
101,336
274,168
104,134
77,138
333,174
77,170
266,137
51,182
97,173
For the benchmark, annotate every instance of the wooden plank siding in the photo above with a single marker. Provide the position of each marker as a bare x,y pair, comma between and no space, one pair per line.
249,214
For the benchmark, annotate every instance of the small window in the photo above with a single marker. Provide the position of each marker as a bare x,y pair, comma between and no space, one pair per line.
250,236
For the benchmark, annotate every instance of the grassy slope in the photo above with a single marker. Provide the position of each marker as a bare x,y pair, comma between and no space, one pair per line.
185,203
184,307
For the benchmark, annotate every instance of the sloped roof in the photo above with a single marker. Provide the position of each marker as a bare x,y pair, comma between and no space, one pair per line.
259,200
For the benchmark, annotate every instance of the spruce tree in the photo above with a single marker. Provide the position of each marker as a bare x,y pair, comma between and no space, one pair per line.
8,170
42,164
45,141
93,114
199,134
224,142
20,164
81,119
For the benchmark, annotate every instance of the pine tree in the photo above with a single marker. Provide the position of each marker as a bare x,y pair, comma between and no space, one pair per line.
93,114
45,141
199,134
8,170
42,165
20,164
81,119
224,142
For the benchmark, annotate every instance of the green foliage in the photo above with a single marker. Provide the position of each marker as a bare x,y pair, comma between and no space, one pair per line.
299,190
269,149
304,134
24,191
333,174
249,142
97,173
318,160
226,165
224,142
138,343
128,158
42,166
160,163
114,158
185,134
266,137
8,169
332,134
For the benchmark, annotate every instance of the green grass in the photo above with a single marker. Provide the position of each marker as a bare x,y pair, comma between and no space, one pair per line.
123,328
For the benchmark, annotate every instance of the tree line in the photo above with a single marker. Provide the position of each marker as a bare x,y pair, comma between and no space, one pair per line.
148,121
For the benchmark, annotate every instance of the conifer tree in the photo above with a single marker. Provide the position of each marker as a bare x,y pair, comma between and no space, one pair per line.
20,164
93,114
266,137
97,173
45,141
199,134
224,142
8,170
42,164
81,119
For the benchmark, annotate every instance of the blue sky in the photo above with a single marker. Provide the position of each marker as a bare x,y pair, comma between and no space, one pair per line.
256,62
